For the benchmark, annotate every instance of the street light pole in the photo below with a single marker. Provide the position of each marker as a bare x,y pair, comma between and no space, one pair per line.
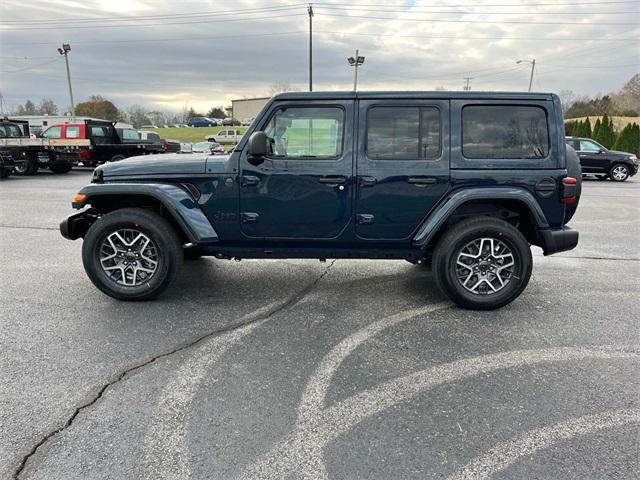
64,51
355,62
310,12
533,67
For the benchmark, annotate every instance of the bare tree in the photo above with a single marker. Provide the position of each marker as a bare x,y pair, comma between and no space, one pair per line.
567,98
281,87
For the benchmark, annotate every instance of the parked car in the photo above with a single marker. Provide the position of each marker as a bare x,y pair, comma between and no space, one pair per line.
604,163
201,122
246,122
225,137
149,126
186,147
208,147
230,122
465,181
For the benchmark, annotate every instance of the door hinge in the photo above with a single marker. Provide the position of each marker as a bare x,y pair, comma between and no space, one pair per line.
247,217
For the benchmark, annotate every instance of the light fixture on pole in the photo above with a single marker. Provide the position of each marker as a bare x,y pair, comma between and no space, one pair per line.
533,67
64,51
355,62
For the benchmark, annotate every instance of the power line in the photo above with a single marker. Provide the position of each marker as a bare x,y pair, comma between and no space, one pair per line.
164,39
7,72
387,8
475,37
518,22
169,16
246,19
526,5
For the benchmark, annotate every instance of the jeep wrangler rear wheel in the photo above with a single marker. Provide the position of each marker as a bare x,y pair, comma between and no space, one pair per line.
482,263
131,254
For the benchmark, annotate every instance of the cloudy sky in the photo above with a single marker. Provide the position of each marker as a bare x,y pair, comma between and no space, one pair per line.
168,53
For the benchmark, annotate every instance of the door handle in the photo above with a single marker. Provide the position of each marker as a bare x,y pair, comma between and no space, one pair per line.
422,180
332,181
368,181
249,181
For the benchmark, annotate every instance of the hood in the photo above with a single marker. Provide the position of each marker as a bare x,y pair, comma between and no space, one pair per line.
165,163
624,154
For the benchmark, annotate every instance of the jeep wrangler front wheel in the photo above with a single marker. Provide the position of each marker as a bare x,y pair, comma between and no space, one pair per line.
482,263
131,254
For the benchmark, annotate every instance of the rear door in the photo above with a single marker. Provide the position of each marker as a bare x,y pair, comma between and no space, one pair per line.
302,189
592,158
402,165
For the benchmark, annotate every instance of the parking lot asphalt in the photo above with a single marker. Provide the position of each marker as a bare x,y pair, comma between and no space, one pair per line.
302,369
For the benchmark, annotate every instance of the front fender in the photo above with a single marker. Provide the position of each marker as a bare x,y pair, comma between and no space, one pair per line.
439,216
178,202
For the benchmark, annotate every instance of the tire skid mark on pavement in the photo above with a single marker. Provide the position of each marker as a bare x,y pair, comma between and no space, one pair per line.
24,463
301,452
165,451
501,456
315,392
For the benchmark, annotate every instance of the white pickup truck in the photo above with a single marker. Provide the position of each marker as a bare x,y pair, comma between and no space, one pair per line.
231,136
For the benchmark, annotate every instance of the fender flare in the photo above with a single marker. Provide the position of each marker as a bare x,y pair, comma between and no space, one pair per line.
439,216
178,202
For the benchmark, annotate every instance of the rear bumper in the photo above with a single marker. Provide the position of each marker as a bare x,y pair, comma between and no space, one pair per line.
558,240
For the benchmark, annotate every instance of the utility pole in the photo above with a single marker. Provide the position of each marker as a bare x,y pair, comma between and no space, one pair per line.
310,12
467,85
355,62
533,67
64,51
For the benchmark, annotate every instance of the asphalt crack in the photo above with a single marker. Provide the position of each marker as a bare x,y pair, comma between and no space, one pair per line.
294,299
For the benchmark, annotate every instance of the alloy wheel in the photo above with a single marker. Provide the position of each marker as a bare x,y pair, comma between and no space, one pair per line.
129,257
485,266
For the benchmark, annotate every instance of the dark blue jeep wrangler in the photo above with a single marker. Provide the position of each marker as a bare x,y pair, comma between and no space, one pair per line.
466,182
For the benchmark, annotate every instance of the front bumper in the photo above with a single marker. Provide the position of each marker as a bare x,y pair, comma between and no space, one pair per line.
76,226
634,169
558,240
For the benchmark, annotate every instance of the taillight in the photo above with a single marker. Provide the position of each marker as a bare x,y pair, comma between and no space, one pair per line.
569,190
165,146
85,154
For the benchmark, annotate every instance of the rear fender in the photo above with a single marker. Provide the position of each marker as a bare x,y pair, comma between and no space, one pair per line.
438,218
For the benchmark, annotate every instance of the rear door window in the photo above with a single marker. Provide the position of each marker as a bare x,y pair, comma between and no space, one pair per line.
403,133
504,132
73,131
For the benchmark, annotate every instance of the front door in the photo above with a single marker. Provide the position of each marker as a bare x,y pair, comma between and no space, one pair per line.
402,166
302,189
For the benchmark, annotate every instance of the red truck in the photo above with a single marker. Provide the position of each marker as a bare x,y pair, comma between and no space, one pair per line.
105,143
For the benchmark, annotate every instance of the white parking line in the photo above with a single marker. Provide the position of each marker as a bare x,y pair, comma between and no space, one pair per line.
504,454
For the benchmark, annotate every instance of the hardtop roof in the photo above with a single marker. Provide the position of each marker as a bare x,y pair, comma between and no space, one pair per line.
473,95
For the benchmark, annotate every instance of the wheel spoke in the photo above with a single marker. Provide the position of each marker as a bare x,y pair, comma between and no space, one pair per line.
129,257
485,266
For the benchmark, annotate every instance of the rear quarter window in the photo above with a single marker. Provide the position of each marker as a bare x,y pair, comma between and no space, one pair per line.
505,132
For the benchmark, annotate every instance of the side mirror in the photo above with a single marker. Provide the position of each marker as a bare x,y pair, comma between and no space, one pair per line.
257,148
601,150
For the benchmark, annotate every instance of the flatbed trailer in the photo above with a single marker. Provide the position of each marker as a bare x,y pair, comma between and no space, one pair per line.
28,153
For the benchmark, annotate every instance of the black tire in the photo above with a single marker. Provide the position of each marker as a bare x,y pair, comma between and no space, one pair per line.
117,158
452,243
574,169
5,172
27,167
61,167
167,245
619,172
